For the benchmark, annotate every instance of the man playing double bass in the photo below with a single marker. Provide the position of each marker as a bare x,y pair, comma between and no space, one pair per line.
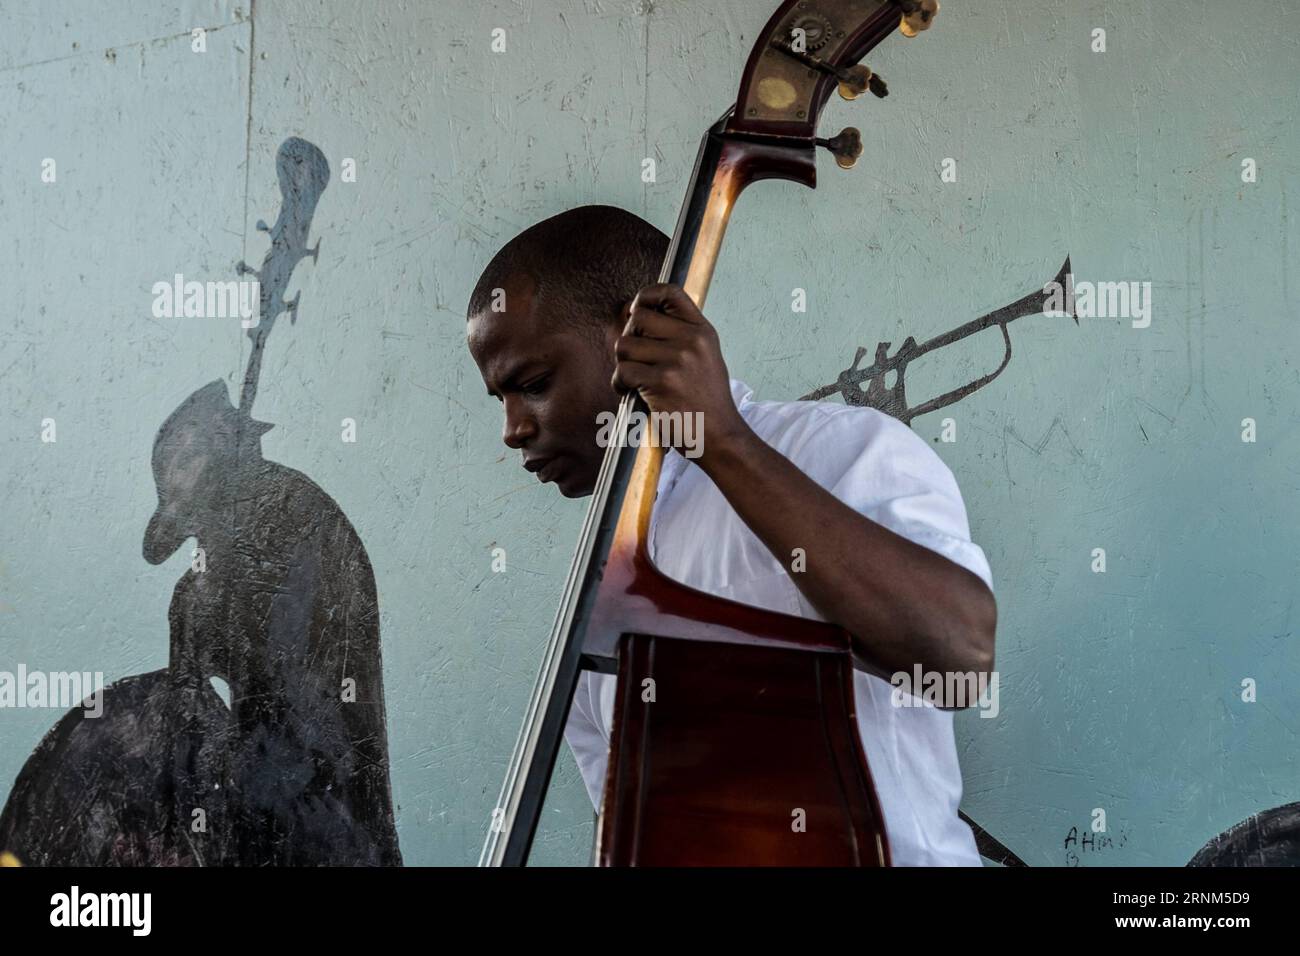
823,511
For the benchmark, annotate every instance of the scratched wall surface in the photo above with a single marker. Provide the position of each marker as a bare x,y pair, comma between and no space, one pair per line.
1120,691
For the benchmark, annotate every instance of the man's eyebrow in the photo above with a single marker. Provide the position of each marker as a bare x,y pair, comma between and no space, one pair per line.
511,379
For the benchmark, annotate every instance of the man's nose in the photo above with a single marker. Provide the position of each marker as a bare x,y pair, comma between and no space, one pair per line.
520,426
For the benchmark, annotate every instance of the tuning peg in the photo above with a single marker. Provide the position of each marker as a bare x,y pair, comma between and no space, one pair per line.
918,15
846,147
856,80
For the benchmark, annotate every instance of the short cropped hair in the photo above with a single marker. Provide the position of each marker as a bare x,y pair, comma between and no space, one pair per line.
586,262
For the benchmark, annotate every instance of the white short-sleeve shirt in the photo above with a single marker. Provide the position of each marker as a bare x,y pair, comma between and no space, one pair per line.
882,469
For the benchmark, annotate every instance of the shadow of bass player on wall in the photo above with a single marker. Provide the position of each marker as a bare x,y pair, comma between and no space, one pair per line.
263,741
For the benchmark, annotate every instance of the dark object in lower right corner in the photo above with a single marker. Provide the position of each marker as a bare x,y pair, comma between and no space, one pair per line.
1267,838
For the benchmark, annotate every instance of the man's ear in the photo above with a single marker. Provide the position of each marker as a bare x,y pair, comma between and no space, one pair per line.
615,329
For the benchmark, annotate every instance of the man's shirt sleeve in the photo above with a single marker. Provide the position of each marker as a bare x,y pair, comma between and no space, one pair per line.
882,469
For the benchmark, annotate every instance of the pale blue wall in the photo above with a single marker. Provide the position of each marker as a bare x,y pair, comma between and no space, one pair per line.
1119,691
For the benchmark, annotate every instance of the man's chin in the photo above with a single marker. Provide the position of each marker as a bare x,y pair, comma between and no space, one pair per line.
575,485
572,489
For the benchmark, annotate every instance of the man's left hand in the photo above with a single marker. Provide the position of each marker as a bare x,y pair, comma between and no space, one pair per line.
670,353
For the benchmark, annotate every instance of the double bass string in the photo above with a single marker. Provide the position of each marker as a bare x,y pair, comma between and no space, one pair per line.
503,817
676,264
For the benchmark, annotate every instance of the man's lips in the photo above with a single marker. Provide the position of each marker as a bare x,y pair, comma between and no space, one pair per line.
539,464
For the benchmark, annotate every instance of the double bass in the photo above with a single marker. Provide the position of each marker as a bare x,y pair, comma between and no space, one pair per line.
747,752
